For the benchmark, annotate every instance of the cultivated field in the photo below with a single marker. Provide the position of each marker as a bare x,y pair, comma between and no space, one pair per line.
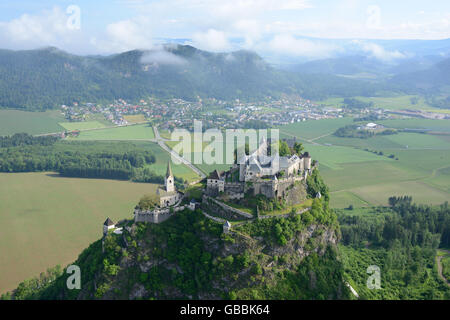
135,118
14,121
85,125
134,132
160,166
47,220
361,178
391,103
313,129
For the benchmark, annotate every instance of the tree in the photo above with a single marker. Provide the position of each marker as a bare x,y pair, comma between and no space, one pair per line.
298,148
284,149
148,202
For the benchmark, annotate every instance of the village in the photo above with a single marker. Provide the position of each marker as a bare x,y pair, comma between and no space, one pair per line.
179,113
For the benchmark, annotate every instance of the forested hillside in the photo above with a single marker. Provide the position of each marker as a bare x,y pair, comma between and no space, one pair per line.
402,242
46,78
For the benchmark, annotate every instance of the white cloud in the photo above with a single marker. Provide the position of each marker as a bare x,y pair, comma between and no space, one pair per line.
126,35
288,45
212,40
250,30
380,53
162,57
49,28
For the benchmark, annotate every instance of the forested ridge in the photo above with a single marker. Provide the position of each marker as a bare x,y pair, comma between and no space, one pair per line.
46,78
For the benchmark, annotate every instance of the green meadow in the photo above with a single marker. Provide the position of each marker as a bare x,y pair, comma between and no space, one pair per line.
313,129
133,132
85,125
361,178
391,103
48,220
15,121
160,166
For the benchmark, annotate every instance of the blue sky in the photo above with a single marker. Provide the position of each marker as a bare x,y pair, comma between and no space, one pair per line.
261,25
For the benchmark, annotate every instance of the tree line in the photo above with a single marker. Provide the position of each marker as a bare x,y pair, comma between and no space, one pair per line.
25,153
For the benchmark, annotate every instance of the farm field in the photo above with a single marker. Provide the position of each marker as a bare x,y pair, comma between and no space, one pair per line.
334,156
160,166
14,121
392,103
403,140
424,124
342,199
419,141
361,178
420,191
134,118
313,129
134,132
205,167
85,125
47,220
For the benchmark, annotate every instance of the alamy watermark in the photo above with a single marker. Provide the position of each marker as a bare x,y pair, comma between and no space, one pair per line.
374,17
74,280
229,146
74,19
374,281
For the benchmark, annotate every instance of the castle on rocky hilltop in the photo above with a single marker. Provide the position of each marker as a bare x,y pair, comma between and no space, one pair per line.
267,175
254,174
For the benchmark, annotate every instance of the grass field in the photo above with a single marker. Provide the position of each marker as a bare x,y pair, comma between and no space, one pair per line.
85,125
360,178
160,166
425,124
135,118
334,156
313,129
391,103
14,121
47,220
134,132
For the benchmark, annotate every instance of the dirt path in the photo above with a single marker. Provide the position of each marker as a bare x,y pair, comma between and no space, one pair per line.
439,265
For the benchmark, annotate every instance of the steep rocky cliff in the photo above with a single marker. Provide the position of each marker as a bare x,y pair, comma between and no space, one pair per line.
190,257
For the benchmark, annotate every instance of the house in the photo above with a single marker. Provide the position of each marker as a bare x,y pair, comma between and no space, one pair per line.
373,126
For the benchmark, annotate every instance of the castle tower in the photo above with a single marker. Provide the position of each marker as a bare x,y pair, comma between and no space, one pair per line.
169,179
108,225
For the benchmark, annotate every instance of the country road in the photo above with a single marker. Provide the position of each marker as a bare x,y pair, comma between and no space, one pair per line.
175,155
92,129
158,139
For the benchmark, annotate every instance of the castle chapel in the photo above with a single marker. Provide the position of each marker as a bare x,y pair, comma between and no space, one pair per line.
168,195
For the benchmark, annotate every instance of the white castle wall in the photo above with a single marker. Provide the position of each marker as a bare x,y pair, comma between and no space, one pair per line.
156,216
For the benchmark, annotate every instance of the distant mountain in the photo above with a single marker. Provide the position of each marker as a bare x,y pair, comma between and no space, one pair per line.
432,80
348,65
366,67
47,78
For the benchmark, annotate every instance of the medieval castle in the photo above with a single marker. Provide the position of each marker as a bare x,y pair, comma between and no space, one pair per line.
256,174
259,173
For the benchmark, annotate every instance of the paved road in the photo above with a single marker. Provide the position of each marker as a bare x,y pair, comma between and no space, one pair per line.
175,155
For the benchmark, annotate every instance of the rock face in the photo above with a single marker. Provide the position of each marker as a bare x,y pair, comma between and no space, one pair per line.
262,262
